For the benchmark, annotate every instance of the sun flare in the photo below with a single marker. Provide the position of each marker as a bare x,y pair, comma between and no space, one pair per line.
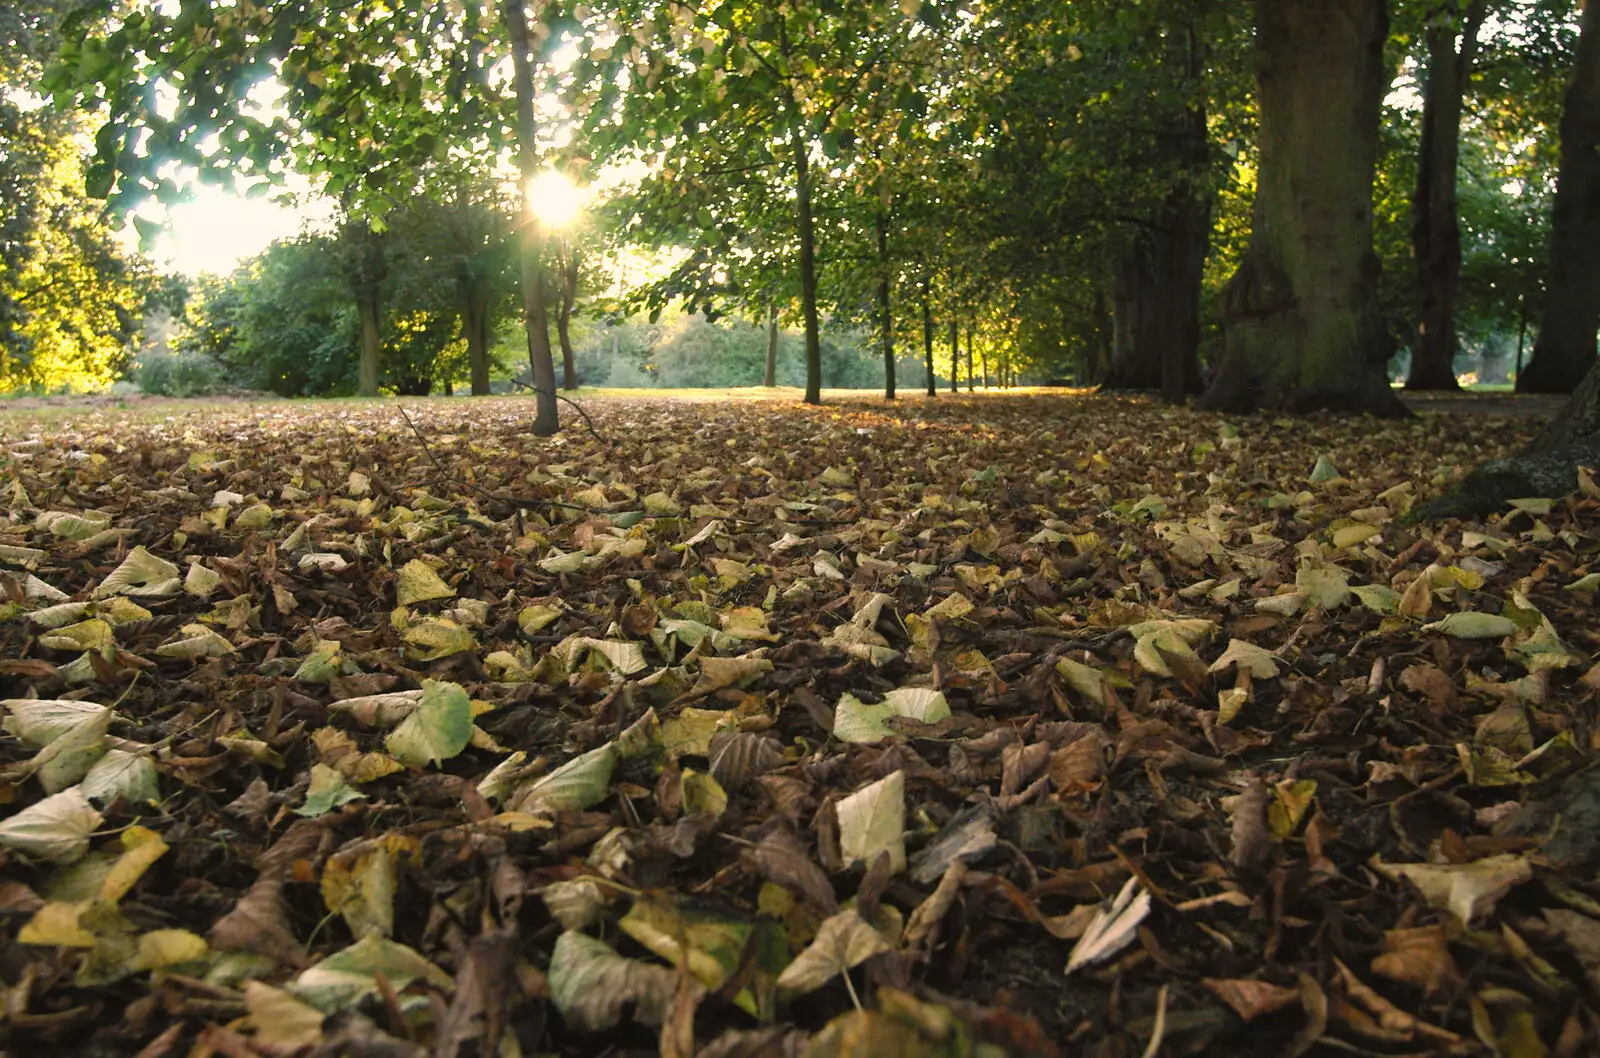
555,199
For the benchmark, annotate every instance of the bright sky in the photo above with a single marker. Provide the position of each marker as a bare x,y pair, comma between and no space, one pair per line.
216,229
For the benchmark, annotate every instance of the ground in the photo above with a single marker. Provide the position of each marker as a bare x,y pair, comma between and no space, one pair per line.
1034,724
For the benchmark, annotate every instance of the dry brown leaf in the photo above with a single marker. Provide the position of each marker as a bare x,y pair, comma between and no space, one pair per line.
737,757
1252,841
1419,957
1251,999
782,858
1430,682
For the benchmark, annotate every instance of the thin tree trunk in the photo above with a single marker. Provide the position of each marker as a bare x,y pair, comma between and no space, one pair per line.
984,356
771,377
1522,330
474,310
970,382
885,318
955,356
927,335
1436,231
371,269
1565,348
546,419
371,343
1301,323
569,299
808,261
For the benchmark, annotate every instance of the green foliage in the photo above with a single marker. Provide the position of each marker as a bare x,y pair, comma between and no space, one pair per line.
185,375
71,298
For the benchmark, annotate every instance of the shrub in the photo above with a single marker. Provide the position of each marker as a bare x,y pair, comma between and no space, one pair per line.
180,376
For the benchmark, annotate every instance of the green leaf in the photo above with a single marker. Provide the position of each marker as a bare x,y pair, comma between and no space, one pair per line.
591,985
580,783
56,829
843,941
438,729
872,820
346,977
855,721
1467,625
328,790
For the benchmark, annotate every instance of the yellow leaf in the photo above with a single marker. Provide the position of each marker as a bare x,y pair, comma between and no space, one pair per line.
56,924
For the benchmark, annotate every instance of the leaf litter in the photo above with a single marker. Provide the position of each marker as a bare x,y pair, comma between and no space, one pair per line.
730,734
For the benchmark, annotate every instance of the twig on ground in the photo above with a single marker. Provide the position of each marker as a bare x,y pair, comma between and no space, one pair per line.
574,404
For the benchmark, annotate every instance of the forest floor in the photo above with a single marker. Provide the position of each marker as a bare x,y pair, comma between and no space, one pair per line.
1029,725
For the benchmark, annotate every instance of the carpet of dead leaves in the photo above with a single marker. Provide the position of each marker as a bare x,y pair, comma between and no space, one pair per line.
1008,726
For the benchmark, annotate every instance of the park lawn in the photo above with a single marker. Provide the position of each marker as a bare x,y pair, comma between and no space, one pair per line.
864,698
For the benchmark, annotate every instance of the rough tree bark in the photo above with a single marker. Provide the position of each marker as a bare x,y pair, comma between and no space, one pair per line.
885,317
1565,349
1300,317
546,417
1436,228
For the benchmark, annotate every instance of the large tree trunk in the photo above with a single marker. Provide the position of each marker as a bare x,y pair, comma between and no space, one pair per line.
1565,349
1135,359
1436,231
546,418
473,305
885,317
927,335
1301,322
569,298
771,376
808,260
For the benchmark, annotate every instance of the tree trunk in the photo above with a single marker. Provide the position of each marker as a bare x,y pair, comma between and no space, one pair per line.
927,335
1436,230
955,356
1547,467
970,382
569,298
808,259
370,269
771,377
1156,288
1565,348
1301,323
885,318
371,342
1100,340
984,357
1135,358
473,306
546,418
